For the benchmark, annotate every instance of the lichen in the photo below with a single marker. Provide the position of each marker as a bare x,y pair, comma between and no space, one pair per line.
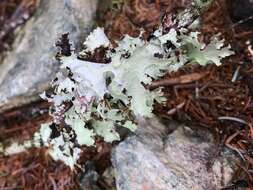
95,99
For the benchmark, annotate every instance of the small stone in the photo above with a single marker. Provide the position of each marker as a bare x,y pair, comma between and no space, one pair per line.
108,177
89,180
154,159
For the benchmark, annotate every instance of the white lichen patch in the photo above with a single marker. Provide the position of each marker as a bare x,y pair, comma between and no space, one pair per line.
16,148
96,39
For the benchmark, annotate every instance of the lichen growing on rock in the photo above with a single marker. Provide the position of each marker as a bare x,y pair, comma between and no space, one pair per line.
96,99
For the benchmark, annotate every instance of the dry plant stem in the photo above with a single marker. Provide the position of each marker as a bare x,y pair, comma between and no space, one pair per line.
174,110
183,79
233,119
229,145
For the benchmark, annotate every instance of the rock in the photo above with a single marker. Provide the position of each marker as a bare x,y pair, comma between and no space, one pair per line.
92,180
89,179
156,160
27,70
108,177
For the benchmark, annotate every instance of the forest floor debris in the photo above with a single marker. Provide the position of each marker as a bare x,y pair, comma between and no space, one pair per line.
216,98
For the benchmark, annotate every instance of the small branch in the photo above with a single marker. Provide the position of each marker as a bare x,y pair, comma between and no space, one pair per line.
174,110
233,119
183,79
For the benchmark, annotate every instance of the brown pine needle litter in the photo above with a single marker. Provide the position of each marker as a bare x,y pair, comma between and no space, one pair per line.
216,98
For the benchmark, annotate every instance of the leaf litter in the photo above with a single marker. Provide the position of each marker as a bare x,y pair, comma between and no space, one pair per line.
214,101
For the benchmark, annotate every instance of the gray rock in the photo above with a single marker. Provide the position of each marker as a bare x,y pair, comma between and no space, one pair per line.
156,160
89,181
27,70
108,177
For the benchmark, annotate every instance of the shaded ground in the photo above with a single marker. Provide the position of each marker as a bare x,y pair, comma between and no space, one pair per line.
212,101
35,170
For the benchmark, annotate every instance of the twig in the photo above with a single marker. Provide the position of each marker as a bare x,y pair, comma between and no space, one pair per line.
183,79
233,119
227,143
174,110
53,182
242,21
235,76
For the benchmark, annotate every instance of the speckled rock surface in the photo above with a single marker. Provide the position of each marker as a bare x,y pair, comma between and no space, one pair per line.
156,160
28,68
